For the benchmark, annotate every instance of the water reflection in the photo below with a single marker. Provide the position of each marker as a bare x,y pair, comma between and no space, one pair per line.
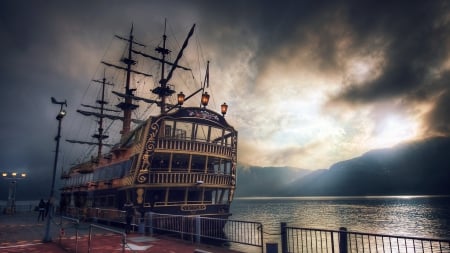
417,216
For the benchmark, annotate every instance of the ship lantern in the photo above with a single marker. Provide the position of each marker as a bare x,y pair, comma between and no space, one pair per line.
205,99
180,98
224,108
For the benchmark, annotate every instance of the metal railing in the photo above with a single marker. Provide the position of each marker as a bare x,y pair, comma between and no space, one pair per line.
194,228
69,228
293,239
120,233
307,240
199,228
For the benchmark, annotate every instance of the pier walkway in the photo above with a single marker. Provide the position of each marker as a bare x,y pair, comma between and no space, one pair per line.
23,233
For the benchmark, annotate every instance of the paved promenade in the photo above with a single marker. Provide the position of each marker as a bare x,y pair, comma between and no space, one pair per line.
23,233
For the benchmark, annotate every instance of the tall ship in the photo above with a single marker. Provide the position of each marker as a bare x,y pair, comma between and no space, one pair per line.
181,160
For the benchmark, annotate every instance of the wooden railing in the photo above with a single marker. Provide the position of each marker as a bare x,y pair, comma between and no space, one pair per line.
189,178
194,146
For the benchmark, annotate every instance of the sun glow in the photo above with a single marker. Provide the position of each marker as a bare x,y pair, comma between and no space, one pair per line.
393,130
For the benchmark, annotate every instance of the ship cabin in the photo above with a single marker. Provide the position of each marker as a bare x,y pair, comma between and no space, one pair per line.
176,163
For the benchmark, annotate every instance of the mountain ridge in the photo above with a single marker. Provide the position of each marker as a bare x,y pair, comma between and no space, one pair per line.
410,168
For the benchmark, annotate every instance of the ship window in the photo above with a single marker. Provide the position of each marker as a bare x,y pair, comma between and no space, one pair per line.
180,134
225,193
228,135
208,198
202,133
194,195
216,135
220,166
227,168
180,162
176,196
220,196
183,130
110,201
160,161
167,128
167,131
198,163
154,196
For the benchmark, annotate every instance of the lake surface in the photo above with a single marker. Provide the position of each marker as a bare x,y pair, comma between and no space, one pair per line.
417,216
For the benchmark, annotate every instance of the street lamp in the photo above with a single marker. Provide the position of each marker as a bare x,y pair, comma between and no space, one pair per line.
59,117
14,176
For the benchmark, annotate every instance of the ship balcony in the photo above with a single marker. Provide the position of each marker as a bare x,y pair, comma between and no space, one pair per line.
188,179
194,146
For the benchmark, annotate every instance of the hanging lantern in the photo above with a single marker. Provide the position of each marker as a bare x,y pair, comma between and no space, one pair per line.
205,99
180,98
224,108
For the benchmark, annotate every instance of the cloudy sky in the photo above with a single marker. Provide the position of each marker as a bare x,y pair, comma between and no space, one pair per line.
309,83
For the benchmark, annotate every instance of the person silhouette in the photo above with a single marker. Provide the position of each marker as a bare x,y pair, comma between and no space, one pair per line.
41,208
129,211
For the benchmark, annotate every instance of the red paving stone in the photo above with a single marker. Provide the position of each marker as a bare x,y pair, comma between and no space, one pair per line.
111,243
22,233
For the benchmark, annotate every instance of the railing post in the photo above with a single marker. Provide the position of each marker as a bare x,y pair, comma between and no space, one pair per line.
283,233
89,238
342,240
150,223
197,229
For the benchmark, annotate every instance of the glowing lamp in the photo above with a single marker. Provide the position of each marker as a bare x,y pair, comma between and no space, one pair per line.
180,98
61,115
4,174
224,108
23,175
205,99
14,174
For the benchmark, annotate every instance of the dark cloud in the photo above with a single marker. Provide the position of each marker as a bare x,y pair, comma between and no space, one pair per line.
52,48
414,36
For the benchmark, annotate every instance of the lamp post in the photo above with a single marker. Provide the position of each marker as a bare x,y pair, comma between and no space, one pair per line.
59,117
14,176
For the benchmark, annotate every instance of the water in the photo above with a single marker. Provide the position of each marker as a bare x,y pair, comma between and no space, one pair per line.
417,216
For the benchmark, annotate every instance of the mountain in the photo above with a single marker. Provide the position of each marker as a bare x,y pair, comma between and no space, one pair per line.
265,181
420,167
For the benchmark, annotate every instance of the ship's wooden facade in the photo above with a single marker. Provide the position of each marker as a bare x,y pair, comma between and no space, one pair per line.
177,163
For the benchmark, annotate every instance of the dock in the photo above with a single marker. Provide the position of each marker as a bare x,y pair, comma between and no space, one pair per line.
22,232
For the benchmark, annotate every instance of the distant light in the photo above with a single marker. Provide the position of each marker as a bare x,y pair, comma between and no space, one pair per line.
4,174
23,175
14,174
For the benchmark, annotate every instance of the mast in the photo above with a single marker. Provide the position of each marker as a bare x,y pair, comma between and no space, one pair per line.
127,106
100,136
164,90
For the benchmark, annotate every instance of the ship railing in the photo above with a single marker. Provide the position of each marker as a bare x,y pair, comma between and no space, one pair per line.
194,146
199,229
189,178
295,239
177,203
